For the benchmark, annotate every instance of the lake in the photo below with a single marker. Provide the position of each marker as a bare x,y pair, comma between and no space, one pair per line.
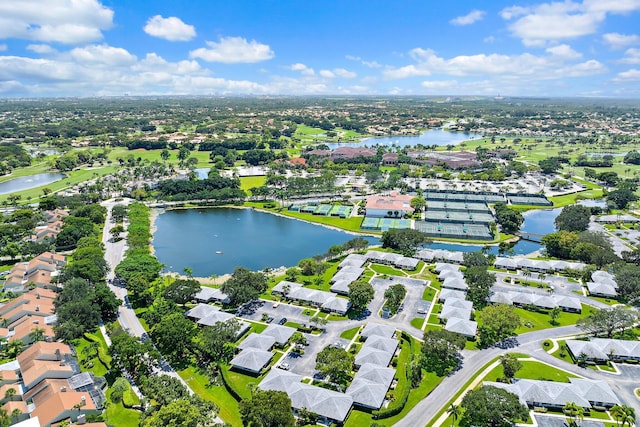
430,137
245,238
27,182
257,240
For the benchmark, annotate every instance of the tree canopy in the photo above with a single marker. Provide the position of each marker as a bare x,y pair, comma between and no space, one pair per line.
441,351
404,240
509,220
608,321
360,294
573,218
499,321
244,285
336,364
267,408
491,406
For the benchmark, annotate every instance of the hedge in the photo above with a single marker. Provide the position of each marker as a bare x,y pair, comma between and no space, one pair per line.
228,384
398,405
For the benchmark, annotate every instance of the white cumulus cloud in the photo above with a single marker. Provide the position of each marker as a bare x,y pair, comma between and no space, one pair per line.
103,54
619,41
171,28
469,18
303,69
628,76
62,21
555,21
631,56
230,50
42,49
564,51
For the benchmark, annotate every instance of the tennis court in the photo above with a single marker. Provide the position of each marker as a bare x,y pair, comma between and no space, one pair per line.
322,210
454,231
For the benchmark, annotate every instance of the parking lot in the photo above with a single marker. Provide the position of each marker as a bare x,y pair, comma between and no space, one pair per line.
281,311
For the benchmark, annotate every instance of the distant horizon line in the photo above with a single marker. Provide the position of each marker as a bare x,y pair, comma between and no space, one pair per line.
325,96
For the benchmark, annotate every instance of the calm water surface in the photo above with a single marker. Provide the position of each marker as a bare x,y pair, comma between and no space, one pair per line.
27,182
215,241
246,238
430,137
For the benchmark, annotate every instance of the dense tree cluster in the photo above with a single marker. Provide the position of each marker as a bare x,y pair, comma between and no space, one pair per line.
491,406
588,246
12,156
509,219
441,351
405,240
244,285
573,218
212,188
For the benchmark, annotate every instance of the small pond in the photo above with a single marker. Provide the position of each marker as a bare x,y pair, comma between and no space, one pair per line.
27,182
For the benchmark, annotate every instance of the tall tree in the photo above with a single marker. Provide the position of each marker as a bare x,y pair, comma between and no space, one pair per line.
267,409
573,218
244,285
493,407
510,365
360,294
498,321
336,364
441,351
574,412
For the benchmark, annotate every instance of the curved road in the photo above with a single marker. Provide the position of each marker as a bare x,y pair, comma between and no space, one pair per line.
529,343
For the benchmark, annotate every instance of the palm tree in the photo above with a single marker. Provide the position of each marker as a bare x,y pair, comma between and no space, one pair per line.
15,415
454,411
630,415
618,414
574,412
14,348
37,334
9,393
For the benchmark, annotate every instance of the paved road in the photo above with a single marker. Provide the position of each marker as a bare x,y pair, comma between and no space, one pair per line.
529,343
114,252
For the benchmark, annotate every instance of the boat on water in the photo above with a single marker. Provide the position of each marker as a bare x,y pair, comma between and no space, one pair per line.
219,252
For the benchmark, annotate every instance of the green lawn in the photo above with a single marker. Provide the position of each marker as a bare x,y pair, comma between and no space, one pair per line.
539,321
385,269
417,322
350,333
249,182
117,415
199,383
533,370
93,358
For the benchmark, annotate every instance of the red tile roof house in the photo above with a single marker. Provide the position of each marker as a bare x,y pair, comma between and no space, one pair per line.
45,374
394,205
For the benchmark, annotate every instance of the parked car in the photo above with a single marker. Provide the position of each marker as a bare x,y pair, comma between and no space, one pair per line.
269,319
282,321
284,366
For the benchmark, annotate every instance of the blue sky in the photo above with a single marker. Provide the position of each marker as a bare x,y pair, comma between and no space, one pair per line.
305,47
